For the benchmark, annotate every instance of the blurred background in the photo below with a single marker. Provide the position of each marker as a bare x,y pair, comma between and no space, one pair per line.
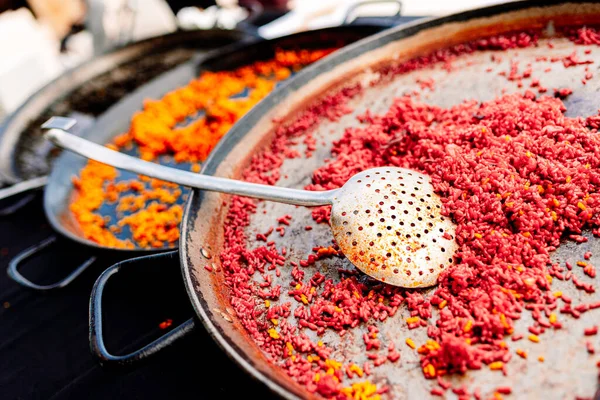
50,36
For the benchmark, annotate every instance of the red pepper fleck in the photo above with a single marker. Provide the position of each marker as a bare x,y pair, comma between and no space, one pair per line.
165,324
590,331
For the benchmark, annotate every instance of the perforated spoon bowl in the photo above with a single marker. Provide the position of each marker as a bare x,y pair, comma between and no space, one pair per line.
387,221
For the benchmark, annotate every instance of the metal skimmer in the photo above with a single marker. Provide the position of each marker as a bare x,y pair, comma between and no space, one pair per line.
386,220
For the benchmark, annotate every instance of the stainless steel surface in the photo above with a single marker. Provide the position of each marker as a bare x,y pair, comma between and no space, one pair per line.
22,187
386,220
59,123
113,158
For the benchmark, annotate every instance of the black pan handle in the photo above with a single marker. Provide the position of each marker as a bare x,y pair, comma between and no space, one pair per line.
248,26
19,259
359,4
96,336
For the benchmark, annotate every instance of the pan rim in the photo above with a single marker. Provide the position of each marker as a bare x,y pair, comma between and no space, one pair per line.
244,125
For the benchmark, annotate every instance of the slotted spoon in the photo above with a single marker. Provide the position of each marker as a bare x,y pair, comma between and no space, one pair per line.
387,221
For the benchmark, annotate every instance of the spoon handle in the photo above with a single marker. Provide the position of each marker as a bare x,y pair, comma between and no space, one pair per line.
113,158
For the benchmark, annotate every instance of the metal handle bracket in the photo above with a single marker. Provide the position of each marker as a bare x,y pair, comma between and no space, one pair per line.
96,337
19,259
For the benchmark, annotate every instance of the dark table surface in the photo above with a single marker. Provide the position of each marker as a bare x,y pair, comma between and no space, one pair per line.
44,348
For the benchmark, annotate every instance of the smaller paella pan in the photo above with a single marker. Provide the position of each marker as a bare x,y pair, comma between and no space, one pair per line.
177,120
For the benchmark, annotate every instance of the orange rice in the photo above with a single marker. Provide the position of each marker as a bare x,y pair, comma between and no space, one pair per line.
147,207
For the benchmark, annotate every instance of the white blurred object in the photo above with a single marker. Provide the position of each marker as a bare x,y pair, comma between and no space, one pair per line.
195,18
115,23
228,18
441,7
60,15
28,62
315,14
211,17
78,48
152,18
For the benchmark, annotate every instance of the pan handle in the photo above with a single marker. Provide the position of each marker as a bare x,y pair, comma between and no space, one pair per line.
255,9
18,188
97,345
19,259
347,18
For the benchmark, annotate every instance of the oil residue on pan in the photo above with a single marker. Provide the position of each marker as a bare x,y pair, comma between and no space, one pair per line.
122,210
497,124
